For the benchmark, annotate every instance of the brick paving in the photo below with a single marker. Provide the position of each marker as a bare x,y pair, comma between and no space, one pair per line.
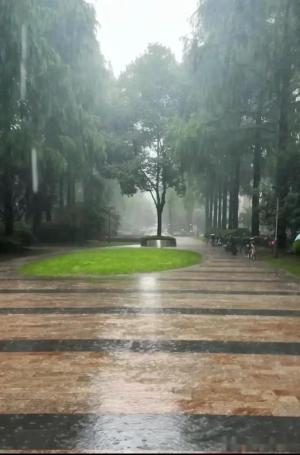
203,359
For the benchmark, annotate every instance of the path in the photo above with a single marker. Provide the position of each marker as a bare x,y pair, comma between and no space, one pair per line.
202,359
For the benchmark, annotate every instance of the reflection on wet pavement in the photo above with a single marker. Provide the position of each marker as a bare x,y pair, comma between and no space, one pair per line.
195,360
111,382
165,433
157,327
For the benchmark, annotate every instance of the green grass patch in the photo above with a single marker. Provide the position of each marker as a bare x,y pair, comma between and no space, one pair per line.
289,263
111,261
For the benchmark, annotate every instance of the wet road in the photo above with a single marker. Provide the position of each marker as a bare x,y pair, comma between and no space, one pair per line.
205,359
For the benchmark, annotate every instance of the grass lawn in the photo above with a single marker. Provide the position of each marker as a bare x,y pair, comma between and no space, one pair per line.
289,263
111,261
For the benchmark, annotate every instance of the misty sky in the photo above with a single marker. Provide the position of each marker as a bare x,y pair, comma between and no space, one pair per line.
127,26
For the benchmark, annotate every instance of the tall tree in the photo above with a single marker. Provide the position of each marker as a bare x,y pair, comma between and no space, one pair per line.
53,98
150,92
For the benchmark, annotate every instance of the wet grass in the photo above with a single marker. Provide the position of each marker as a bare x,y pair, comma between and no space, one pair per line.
111,262
289,263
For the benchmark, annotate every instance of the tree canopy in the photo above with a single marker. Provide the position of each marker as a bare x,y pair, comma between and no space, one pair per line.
222,125
242,126
150,94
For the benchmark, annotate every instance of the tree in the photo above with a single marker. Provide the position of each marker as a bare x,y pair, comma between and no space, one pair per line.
151,95
12,16
55,104
241,129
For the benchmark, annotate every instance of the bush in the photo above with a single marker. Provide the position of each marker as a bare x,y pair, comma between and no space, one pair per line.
24,236
296,247
87,222
60,233
9,245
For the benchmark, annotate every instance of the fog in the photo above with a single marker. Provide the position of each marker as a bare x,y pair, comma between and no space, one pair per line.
138,216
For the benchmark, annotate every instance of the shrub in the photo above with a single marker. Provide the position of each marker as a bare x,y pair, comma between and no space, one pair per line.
79,223
9,245
296,247
89,222
263,240
59,233
24,236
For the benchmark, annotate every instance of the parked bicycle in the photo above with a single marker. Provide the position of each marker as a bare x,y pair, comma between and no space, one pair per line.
251,250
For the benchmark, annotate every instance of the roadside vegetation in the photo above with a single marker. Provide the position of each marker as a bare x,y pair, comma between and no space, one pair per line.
289,263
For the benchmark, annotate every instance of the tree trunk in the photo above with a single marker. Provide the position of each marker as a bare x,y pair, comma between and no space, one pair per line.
231,202
49,213
28,211
159,211
207,226
255,194
8,205
215,217
37,212
283,130
211,201
70,191
220,208
224,208
61,192
234,195
256,174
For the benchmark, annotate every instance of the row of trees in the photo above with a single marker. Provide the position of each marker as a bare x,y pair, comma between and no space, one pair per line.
62,107
222,124
54,103
241,132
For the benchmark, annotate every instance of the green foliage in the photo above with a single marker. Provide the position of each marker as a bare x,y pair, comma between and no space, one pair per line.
23,235
296,247
10,246
240,128
60,233
223,124
78,224
58,107
289,263
150,93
